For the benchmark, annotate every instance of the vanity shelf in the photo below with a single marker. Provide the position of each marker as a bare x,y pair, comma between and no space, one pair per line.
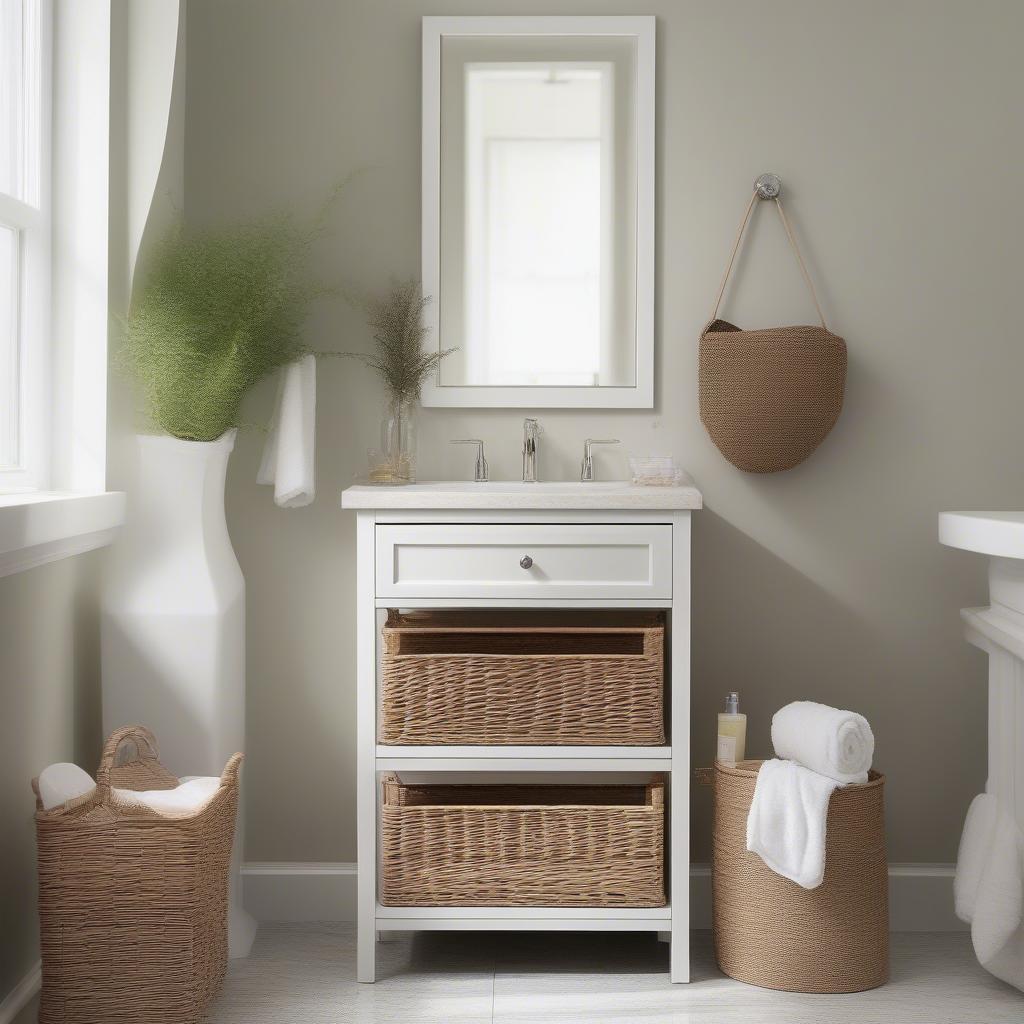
524,759
594,546
524,919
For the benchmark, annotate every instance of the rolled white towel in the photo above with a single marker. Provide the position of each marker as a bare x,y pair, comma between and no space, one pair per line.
834,743
62,782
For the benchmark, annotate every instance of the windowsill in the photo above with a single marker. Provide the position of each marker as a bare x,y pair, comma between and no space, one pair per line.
43,526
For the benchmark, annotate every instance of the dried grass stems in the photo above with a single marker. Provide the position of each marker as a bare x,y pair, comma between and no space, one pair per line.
396,322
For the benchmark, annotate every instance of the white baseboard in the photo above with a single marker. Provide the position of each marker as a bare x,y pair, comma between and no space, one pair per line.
21,995
293,891
920,895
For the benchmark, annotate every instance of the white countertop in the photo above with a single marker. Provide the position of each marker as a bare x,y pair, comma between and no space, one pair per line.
501,494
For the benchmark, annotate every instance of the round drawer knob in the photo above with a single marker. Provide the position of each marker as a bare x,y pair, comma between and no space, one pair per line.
526,561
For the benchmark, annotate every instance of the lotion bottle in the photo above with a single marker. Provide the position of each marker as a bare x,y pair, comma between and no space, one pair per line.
732,731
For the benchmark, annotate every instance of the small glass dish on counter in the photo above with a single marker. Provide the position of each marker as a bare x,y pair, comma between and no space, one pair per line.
656,471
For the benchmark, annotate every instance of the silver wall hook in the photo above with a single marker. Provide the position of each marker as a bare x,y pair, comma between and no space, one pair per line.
768,186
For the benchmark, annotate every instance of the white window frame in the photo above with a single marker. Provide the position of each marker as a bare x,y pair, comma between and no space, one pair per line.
30,413
55,504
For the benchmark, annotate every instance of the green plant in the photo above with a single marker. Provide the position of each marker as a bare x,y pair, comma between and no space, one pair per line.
396,320
218,310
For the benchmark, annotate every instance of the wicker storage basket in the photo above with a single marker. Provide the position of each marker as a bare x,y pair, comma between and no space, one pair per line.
512,678
768,930
522,845
132,903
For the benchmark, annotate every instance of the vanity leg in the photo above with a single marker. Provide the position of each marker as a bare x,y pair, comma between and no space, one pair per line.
366,767
679,786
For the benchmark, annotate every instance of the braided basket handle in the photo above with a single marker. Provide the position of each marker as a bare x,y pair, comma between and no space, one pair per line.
138,734
232,770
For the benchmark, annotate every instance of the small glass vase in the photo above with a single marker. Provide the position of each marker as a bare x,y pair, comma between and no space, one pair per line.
395,461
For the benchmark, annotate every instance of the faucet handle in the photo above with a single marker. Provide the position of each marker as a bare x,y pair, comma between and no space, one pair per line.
480,468
587,471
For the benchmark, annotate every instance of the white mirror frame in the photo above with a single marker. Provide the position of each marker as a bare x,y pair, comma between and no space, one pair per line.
641,394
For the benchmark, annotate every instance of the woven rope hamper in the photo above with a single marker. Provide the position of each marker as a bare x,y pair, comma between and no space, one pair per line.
558,678
132,903
522,845
769,931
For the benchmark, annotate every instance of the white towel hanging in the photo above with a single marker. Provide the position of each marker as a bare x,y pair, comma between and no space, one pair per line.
289,454
787,821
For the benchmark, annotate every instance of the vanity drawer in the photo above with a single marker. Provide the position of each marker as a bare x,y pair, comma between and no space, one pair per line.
535,561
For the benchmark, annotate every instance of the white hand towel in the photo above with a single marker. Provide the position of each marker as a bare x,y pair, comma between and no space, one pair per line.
787,819
835,743
288,455
60,783
997,910
975,844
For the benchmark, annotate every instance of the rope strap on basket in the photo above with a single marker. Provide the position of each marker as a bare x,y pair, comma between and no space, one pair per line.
792,242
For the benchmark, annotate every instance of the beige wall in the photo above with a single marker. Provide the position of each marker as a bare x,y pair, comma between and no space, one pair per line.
895,127
49,696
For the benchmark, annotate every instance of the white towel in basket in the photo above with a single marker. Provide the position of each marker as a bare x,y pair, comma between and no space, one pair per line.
60,783
787,819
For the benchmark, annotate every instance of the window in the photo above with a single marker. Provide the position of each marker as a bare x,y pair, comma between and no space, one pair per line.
24,242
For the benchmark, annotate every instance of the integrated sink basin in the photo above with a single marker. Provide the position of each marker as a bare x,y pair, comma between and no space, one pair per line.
503,494
1000,534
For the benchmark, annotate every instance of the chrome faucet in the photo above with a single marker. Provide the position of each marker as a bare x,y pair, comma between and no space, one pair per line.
531,432
587,470
480,471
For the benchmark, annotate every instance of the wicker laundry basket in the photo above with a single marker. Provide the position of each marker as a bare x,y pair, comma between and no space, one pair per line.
553,677
522,845
133,903
768,930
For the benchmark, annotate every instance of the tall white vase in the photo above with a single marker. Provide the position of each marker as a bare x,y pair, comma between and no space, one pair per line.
173,635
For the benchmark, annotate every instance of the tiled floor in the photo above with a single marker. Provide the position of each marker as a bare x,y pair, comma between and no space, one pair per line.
303,974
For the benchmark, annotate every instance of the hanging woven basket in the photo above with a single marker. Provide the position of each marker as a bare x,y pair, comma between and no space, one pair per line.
769,397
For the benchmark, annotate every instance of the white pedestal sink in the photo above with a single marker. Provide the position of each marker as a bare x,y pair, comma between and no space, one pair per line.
999,631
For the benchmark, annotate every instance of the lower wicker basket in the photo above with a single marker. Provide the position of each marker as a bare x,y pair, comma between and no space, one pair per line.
768,930
522,845
132,903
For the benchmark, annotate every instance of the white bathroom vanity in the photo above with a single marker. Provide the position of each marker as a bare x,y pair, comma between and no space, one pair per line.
526,546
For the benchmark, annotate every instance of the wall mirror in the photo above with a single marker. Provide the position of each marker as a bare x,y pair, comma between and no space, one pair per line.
538,210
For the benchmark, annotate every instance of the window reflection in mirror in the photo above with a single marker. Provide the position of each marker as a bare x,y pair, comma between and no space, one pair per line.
537,282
